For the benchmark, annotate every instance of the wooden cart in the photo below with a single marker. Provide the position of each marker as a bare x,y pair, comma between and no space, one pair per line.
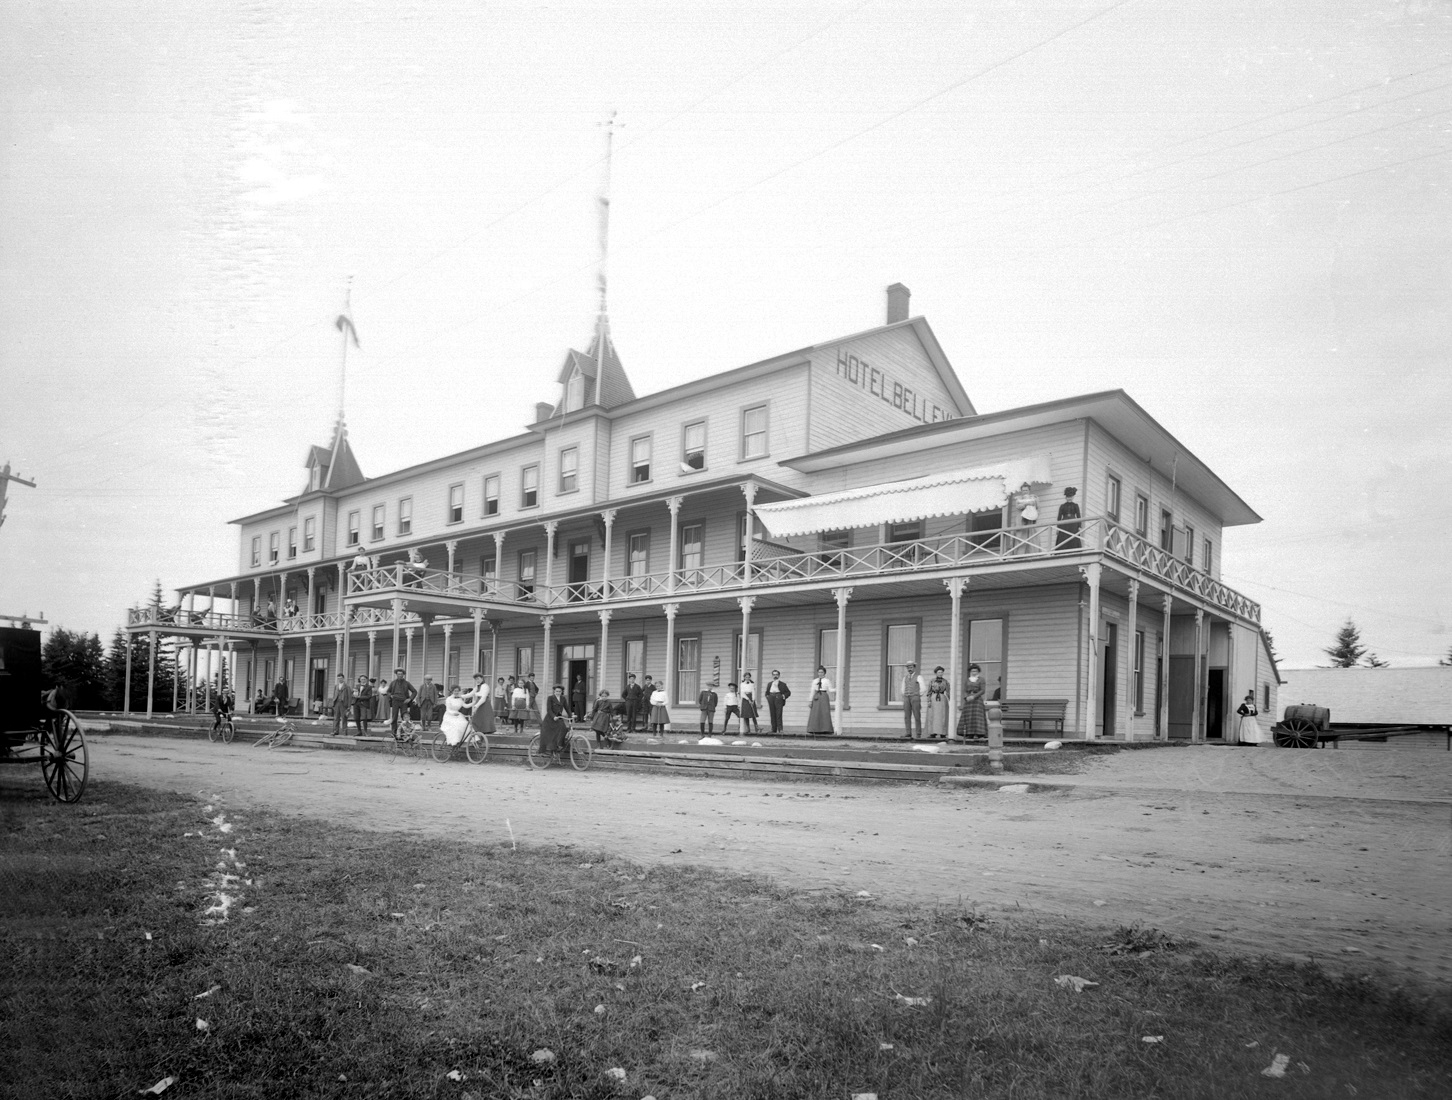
31,732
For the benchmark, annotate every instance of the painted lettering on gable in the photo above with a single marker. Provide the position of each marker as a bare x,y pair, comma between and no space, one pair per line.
862,375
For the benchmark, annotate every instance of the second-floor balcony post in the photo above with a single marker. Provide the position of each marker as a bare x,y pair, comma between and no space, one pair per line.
309,615
670,610
1163,652
608,515
748,490
674,504
211,620
551,526
451,548
1091,574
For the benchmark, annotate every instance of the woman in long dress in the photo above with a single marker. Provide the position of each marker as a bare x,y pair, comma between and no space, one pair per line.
748,705
554,726
937,716
1247,730
519,708
454,725
659,716
973,722
819,716
483,717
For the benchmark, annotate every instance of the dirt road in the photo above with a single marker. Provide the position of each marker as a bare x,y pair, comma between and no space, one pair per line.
1340,855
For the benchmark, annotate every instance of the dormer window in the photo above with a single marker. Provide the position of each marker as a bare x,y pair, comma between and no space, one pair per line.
315,480
575,392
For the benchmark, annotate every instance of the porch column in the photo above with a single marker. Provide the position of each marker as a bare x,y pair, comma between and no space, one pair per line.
343,652
175,684
546,621
407,663
1091,574
842,595
747,603
252,678
191,606
423,663
280,667
1130,680
151,674
479,642
312,596
609,517
674,504
452,548
281,595
1164,676
444,680
601,679
551,526
126,689
670,610
372,646
1197,716
232,671
207,680
307,695
397,616
234,600
955,586
748,490
191,677
498,556
338,647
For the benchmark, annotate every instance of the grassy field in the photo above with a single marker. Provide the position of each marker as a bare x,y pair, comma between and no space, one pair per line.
354,963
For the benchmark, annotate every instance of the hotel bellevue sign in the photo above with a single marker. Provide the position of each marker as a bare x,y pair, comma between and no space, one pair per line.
858,372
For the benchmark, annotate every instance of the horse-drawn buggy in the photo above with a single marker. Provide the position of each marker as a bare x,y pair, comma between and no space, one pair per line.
35,726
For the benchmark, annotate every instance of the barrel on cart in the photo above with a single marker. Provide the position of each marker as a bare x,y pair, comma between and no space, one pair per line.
1302,726
34,729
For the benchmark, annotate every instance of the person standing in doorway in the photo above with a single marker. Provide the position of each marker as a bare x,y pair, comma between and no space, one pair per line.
819,717
777,693
937,716
400,693
914,687
428,698
973,722
707,701
1067,537
633,696
577,698
342,703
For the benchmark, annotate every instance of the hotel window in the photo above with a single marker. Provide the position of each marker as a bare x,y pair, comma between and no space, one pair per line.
291,543
905,532
456,503
1207,559
489,568
524,660
829,541
901,649
753,432
273,541
1111,498
355,526
569,469
1139,672
310,534
526,573
693,447
529,487
378,516
985,649
827,656
633,661
693,549
1189,545
688,669
1167,531
491,495
640,459
1141,515
753,659
405,516
256,550
637,561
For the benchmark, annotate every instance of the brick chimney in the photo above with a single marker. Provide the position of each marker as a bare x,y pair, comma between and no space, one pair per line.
897,303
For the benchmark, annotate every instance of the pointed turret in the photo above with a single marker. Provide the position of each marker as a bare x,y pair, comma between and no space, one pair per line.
333,467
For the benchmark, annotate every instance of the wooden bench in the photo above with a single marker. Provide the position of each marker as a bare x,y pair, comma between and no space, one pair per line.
1026,712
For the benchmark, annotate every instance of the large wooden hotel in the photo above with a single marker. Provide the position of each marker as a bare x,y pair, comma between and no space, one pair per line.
842,505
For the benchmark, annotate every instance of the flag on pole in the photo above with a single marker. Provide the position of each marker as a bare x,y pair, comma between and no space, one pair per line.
344,324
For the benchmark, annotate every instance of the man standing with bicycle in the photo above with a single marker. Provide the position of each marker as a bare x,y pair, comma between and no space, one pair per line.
400,693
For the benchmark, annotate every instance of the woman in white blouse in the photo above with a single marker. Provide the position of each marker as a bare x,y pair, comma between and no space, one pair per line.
819,717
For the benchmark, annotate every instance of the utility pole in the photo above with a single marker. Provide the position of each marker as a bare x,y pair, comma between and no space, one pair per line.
6,477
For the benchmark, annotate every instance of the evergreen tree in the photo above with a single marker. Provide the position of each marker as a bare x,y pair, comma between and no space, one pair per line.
75,659
1346,651
1373,661
1270,644
1446,661
114,673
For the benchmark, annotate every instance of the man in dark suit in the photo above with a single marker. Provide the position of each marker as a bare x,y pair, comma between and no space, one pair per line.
341,702
777,693
707,701
400,693
632,697
279,697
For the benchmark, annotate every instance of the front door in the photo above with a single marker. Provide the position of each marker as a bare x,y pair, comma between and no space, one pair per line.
1182,697
1111,679
1215,704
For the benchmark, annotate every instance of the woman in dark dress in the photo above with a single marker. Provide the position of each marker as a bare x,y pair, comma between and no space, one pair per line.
819,716
973,722
554,726
482,717
1067,537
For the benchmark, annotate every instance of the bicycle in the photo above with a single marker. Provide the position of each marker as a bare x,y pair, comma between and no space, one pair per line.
578,749
278,737
407,740
474,744
223,726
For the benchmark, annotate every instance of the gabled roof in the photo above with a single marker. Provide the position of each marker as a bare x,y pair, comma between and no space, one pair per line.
606,383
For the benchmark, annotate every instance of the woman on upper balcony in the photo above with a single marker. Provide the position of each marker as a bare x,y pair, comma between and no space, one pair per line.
1067,537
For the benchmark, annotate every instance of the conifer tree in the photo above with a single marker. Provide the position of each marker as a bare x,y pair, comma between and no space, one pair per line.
1346,651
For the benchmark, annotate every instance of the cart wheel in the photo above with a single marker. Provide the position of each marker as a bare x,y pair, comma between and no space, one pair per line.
537,759
443,751
580,752
476,748
1298,733
229,731
64,762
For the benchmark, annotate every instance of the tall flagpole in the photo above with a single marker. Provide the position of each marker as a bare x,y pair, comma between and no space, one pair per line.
602,322
345,327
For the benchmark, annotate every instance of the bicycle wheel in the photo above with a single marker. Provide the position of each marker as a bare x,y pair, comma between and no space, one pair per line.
229,731
476,747
281,737
581,752
443,751
212,733
538,760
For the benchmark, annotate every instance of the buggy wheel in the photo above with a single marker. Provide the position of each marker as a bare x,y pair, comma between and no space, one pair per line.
580,752
537,759
229,731
64,761
1298,733
476,747
443,751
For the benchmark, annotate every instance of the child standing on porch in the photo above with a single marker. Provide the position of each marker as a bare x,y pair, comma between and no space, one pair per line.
659,716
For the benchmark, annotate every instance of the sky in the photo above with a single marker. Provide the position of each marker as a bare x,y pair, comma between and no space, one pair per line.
1238,212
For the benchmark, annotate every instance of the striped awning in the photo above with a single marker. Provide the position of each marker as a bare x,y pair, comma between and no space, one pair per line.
954,492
